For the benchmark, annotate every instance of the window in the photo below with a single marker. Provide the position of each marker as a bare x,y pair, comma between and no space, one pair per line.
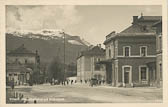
25,61
112,49
16,60
143,50
160,42
98,59
97,67
160,71
109,53
143,74
127,51
144,28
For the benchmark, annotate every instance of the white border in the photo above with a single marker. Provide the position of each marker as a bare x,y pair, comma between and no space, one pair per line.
84,2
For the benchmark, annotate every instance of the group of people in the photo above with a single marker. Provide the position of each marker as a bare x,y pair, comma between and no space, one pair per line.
62,82
93,82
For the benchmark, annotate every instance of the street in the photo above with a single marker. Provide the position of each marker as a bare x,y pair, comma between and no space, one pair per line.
85,94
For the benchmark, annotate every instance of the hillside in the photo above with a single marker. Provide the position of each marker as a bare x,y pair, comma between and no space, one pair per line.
48,46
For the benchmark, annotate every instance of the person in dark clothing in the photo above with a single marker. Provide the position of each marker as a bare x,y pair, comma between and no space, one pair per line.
71,82
12,84
67,82
85,81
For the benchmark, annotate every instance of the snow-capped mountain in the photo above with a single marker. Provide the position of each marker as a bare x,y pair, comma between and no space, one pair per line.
48,34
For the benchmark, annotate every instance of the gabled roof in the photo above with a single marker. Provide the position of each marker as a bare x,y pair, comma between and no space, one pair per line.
21,50
94,51
140,28
17,68
150,18
157,23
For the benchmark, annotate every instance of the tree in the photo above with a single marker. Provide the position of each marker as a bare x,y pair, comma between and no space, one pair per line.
71,70
55,69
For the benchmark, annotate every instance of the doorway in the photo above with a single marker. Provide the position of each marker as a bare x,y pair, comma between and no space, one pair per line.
127,76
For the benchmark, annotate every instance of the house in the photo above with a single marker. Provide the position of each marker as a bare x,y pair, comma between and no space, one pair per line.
20,64
158,26
131,54
87,66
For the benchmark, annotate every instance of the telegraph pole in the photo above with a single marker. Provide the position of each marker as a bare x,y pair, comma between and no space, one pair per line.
64,56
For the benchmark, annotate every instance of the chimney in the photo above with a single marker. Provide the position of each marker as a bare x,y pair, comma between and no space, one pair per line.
113,32
99,45
135,19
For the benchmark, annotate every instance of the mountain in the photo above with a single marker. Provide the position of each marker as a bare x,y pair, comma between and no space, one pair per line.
49,43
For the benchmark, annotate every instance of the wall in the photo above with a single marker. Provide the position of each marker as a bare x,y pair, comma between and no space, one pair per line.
21,59
135,44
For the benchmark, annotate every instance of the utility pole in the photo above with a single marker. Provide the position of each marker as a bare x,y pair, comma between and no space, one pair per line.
64,55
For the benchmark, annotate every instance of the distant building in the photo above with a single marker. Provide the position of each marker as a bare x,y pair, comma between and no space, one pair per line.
87,66
20,64
158,26
131,54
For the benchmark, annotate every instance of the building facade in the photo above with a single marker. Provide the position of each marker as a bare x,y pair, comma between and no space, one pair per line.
158,27
87,66
20,64
131,54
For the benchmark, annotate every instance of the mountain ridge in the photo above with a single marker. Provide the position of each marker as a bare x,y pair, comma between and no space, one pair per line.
47,46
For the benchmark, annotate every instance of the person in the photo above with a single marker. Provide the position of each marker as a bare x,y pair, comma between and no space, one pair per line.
81,81
85,81
35,101
71,82
103,82
67,82
12,84
64,82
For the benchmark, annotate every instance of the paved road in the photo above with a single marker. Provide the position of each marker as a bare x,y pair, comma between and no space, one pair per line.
86,94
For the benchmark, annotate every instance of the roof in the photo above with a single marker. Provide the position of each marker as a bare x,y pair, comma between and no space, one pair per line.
139,29
18,68
150,18
94,51
157,23
21,50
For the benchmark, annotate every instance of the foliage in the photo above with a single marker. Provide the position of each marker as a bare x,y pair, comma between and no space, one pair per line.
56,69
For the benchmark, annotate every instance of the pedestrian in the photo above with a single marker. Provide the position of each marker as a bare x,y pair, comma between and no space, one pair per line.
67,82
12,84
71,82
64,82
103,82
35,101
85,81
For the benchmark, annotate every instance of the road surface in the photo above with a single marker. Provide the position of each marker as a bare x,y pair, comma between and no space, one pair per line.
86,94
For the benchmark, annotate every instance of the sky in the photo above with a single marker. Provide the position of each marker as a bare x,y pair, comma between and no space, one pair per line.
91,22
